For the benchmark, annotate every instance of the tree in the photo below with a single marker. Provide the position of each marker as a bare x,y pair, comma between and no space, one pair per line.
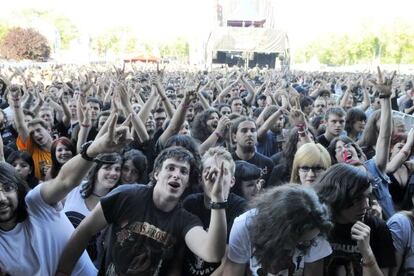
22,43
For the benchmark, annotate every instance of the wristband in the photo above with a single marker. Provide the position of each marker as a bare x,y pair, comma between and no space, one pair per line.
83,125
384,96
83,150
218,205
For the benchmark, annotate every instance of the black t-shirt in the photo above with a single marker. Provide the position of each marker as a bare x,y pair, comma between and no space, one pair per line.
142,238
261,161
192,264
346,253
9,136
323,141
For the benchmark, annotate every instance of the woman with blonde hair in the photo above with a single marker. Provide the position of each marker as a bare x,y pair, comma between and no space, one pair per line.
310,161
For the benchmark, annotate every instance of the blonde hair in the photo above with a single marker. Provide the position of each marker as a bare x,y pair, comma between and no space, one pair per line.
309,154
221,153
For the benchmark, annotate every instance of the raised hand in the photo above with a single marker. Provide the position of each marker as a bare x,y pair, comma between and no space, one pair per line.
112,141
384,84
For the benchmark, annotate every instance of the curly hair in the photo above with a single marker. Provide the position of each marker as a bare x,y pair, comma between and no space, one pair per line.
200,130
283,215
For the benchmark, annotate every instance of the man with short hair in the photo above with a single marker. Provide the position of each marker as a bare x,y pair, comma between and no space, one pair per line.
335,125
159,116
199,205
33,137
148,224
319,106
236,105
244,135
33,228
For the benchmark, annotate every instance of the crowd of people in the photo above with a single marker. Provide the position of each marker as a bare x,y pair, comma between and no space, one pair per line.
137,170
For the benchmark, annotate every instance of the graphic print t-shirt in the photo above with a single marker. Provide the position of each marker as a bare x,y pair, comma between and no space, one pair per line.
143,239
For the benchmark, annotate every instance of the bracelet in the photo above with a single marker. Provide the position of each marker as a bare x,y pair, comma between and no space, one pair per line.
83,125
83,151
370,263
218,205
163,99
218,134
384,96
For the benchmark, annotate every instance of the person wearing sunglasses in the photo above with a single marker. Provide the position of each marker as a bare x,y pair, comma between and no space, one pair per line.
310,161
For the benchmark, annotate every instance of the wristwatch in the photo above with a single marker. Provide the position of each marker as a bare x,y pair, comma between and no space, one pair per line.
218,205
83,150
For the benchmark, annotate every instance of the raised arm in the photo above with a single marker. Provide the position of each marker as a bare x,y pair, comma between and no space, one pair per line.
252,92
179,117
169,109
269,122
402,156
137,123
15,94
211,245
383,86
73,172
149,104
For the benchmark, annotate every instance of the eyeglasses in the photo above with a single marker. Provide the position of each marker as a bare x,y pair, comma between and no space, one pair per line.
346,146
316,169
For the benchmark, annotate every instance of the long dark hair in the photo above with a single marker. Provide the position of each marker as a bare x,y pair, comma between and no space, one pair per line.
56,166
31,180
139,160
340,185
100,160
9,176
283,214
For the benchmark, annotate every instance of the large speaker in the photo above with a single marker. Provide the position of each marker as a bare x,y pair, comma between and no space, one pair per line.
263,60
229,58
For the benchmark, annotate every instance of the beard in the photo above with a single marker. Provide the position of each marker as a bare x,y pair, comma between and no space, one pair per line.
248,148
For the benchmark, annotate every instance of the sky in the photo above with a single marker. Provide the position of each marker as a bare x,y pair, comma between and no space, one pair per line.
302,19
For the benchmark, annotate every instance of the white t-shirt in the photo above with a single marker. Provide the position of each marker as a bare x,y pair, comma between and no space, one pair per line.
34,246
240,250
75,205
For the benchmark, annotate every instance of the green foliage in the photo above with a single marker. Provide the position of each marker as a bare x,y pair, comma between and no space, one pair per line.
390,45
177,48
22,43
4,29
66,28
107,40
